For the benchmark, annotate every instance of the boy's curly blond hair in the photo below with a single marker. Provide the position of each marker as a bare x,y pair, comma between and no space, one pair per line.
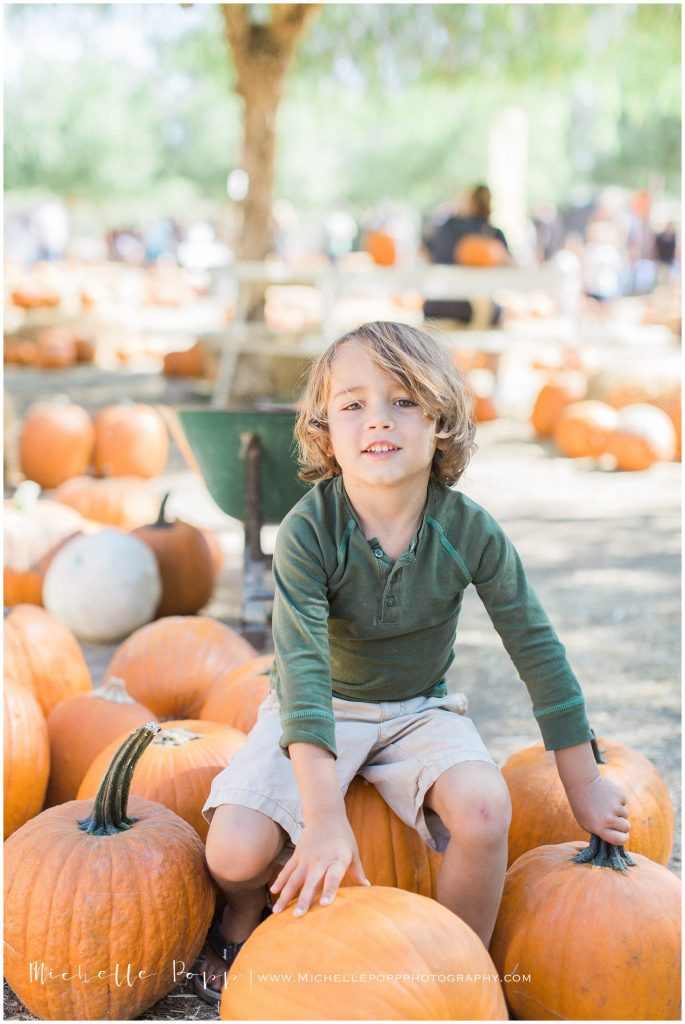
420,363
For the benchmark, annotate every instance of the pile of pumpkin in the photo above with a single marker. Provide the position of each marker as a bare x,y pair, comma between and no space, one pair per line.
630,428
69,283
100,554
49,348
572,941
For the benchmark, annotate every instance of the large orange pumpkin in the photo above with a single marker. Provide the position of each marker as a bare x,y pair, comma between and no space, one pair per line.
541,812
171,665
643,435
26,758
126,502
186,564
583,942
56,442
80,727
375,953
559,391
177,768
391,852
130,440
583,429
102,900
43,656
235,698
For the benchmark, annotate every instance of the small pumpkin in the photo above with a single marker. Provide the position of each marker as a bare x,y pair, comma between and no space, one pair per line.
541,812
86,349
103,586
643,436
32,530
43,656
126,502
177,768
130,440
80,727
391,852
56,348
171,665
235,698
585,932
560,390
132,876
26,757
20,350
480,251
186,564
381,248
191,362
482,385
583,429
56,442
374,932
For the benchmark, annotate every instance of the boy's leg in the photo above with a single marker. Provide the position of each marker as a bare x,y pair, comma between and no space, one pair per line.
473,803
242,845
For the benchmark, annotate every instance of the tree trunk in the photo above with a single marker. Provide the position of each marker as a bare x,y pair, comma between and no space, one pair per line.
262,54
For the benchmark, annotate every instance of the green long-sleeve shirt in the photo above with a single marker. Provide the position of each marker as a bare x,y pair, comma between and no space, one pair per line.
349,621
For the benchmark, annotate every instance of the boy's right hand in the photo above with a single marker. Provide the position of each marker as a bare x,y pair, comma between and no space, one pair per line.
326,849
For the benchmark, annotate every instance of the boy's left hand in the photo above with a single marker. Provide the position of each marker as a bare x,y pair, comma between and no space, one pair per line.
599,806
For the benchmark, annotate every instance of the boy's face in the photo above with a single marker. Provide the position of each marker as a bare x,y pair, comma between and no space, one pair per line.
379,434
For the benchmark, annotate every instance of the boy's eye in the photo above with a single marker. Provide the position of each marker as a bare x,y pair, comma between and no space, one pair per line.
353,406
405,402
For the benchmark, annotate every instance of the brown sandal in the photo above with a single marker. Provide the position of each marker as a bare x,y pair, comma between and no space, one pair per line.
226,951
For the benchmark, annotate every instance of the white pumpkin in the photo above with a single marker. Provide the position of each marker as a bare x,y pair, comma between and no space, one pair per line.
103,587
32,528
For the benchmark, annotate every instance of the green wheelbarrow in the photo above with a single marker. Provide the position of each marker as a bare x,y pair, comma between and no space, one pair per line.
247,458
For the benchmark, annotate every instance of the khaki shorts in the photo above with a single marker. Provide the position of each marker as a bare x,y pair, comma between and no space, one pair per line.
402,747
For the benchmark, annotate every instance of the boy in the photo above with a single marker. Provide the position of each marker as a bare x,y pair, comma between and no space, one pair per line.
370,569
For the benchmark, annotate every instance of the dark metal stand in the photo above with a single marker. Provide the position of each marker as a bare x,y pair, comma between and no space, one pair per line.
258,592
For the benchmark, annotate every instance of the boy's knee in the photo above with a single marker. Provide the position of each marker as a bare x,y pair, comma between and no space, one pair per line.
239,854
483,817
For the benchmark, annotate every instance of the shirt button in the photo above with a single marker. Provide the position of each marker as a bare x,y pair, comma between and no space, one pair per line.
391,600
378,552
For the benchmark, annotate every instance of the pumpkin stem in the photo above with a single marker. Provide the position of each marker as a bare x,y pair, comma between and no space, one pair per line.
595,749
601,854
109,810
161,520
113,690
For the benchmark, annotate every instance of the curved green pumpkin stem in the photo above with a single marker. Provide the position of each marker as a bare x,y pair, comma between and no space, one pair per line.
162,521
601,854
109,810
595,749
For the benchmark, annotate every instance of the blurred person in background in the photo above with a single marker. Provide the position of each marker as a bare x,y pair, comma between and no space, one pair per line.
603,264
666,253
443,245
341,233
49,226
160,239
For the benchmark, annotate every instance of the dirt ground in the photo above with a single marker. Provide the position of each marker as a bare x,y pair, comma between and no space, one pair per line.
601,548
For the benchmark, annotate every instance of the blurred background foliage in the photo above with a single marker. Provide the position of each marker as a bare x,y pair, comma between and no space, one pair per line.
132,107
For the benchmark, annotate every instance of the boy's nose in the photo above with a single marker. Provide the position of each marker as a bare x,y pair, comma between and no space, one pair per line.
380,419
379,416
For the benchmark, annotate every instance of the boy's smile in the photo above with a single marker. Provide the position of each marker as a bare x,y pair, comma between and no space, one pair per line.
379,433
